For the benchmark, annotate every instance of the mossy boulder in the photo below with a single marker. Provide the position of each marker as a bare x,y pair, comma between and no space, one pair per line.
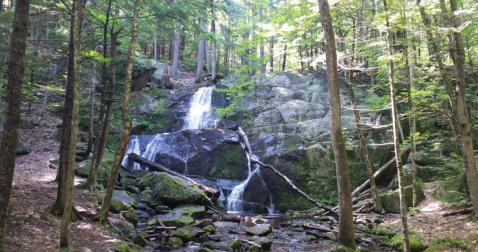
131,216
172,241
146,195
171,190
117,206
225,245
210,229
140,240
391,200
180,216
263,241
188,232
260,230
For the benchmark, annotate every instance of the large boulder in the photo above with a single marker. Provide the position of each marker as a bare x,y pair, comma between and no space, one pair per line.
188,232
180,216
260,230
171,190
391,200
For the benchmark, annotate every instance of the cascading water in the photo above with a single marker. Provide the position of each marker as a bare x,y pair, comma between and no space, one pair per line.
200,112
133,147
200,115
235,200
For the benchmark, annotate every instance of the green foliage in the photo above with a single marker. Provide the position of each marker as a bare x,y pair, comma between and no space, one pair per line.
237,93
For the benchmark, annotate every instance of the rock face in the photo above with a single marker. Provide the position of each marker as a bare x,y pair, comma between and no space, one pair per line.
286,118
206,153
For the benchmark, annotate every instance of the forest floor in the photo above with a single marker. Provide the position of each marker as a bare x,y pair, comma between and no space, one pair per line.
31,228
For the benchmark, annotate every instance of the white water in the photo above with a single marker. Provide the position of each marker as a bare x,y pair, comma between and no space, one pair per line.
133,147
200,111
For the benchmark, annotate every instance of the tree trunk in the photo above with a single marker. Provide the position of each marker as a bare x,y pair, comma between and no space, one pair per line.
155,43
92,109
11,116
102,215
284,59
176,51
403,206
90,182
200,59
70,121
462,115
346,235
271,56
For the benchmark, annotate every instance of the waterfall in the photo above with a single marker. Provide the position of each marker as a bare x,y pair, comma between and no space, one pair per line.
234,200
133,147
200,113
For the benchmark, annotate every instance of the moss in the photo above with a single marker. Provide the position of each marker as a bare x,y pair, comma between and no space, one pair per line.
117,206
380,232
140,240
443,244
124,247
131,216
235,245
414,239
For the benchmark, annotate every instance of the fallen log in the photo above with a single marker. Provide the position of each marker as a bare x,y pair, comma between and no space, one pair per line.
462,211
210,192
245,140
227,217
378,172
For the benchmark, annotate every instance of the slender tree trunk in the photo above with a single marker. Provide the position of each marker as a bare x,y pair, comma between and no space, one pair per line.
284,59
403,206
11,112
174,70
155,43
102,215
200,58
346,235
462,115
213,51
271,57
92,109
90,182
183,42
70,120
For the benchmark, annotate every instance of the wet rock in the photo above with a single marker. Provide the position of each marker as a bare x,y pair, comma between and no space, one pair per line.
140,240
225,226
210,229
260,230
225,245
147,195
162,209
215,238
131,216
265,243
180,216
204,223
307,238
204,250
172,241
188,232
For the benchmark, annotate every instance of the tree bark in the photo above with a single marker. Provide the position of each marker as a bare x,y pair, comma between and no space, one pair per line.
102,215
176,50
403,206
11,116
213,50
92,109
201,50
70,122
346,235
284,58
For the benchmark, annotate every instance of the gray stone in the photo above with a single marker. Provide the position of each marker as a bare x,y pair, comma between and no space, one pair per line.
140,240
131,216
263,241
188,232
391,200
260,230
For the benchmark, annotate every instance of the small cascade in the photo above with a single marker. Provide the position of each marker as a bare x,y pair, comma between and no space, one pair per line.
234,200
133,147
200,113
